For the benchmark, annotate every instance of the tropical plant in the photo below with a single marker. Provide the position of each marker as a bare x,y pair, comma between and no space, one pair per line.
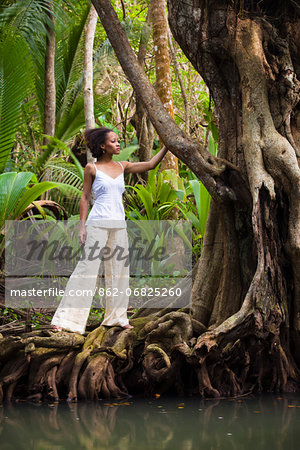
18,192
16,196
193,200
20,24
146,200
166,191
25,26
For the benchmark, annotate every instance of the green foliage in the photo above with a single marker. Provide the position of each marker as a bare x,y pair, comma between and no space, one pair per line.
52,165
69,78
125,153
8,315
194,202
55,145
16,81
68,39
25,23
12,186
69,191
15,196
23,31
34,317
211,125
28,18
166,192
96,314
146,202
32,193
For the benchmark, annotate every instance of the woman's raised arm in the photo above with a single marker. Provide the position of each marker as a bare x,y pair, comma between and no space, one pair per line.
143,166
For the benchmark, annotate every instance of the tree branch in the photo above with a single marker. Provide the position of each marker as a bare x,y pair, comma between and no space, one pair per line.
208,168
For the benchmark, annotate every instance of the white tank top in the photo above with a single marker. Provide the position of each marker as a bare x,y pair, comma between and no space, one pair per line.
108,210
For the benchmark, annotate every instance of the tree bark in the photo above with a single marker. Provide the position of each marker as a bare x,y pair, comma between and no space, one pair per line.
182,87
88,88
249,68
50,91
162,67
143,125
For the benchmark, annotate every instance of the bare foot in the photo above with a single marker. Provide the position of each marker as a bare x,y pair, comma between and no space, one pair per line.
56,328
128,327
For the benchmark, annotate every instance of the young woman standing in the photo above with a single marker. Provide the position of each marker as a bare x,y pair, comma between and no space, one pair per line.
105,226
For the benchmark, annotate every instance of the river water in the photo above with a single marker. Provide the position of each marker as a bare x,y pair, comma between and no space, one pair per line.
262,422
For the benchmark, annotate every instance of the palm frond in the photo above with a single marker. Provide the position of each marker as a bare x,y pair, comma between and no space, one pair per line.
38,59
71,121
63,172
69,192
16,81
57,210
41,161
68,39
26,17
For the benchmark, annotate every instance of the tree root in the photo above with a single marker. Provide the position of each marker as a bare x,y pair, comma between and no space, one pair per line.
12,372
164,353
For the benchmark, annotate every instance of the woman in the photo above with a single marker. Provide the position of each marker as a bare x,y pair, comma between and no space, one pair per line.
107,228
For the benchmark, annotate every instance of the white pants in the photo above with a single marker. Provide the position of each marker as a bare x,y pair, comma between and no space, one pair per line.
73,310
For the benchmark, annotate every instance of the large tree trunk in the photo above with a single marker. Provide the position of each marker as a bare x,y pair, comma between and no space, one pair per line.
250,62
242,332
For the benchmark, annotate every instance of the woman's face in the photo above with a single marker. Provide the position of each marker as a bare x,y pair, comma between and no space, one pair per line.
111,145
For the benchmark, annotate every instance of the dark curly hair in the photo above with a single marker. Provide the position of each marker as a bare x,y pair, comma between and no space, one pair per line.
94,138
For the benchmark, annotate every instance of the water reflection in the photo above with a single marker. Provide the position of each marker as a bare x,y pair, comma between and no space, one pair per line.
267,422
